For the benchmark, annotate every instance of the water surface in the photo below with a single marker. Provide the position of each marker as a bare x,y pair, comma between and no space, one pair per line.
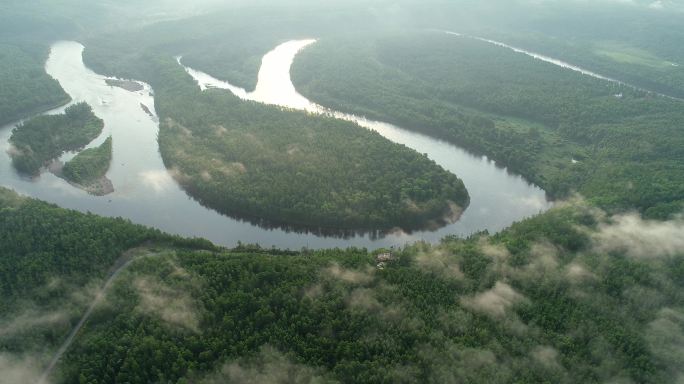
146,194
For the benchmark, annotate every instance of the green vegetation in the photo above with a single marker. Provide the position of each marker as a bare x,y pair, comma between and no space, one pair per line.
572,295
630,55
638,45
51,262
531,116
26,31
26,88
285,167
552,299
44,138
90,165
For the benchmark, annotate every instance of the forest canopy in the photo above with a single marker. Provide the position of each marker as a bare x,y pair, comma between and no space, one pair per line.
567,132
556,297
44,138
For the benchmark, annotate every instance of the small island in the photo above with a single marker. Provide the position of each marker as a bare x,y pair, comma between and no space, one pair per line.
88,169
38,141
129,85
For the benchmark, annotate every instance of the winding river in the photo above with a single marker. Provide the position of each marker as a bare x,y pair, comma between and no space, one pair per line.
558,63
146,194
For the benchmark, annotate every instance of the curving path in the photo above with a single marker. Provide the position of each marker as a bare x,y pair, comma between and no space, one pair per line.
121,264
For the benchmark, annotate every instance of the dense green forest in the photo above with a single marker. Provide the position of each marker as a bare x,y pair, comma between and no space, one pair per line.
291,167
574,295
41,139
557,298
88,169
26,31
51,263
531,116
296,168
26,88
640,45
90,164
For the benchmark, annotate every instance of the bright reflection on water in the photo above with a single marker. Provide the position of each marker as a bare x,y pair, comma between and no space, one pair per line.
147,194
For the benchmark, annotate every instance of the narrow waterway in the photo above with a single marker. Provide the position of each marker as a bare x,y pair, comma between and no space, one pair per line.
146,194
557,62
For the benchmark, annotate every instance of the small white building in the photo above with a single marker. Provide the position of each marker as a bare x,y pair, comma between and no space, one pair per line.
384,257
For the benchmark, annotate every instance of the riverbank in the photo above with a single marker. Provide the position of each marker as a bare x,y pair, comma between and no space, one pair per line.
532,114
100,186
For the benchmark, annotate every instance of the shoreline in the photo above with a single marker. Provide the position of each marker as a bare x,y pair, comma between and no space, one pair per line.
99,187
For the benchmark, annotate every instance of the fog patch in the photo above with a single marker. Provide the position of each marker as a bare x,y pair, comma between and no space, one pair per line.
494,302
18,370
641,238
364,299
496,252
361,291
439,262
173,305
269,367
14,151
313,292
206,176
453,363
546,356
577,273
544,263
665,336
31,319
349,276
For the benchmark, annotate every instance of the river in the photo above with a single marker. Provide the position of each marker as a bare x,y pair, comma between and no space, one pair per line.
146,194
559,63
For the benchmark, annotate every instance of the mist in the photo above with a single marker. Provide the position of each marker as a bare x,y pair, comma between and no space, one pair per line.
498,203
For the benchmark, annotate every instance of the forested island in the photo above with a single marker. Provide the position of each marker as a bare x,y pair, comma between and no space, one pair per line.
129,85
44,138
89,167
294,168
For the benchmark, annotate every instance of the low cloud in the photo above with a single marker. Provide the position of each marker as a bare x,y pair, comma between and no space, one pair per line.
494,302
349,276
665,336
546,356
364,299
641,238
32,319
269,367
440,262
17,370
577,273
174,306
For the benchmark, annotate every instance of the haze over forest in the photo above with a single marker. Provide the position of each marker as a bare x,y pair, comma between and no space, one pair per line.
300,191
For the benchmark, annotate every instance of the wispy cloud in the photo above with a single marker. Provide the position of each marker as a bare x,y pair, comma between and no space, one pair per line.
269,367
641,238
